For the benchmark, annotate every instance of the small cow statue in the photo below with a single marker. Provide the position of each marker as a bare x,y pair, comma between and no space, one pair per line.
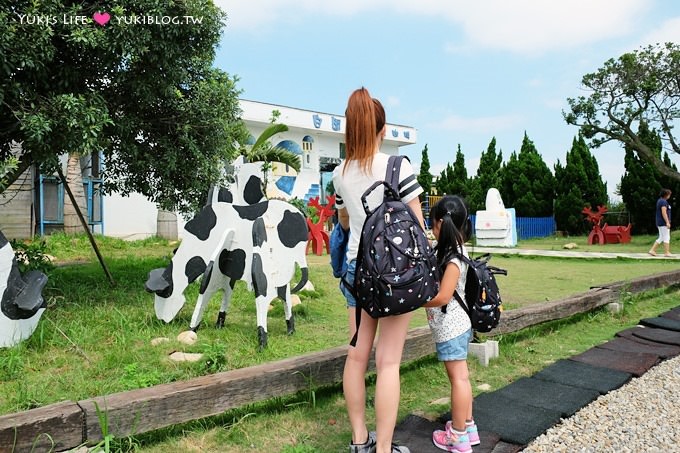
22,303
238,235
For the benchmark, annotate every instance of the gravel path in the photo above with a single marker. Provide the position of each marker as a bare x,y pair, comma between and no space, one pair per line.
641,416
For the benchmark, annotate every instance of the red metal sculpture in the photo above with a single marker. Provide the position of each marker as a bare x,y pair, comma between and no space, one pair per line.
607,234
318,236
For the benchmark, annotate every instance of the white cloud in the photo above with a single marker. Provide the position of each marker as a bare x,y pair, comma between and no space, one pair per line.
483,125
534,27
669,31
521,26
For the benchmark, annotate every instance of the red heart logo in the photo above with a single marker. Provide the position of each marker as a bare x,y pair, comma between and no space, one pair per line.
101,18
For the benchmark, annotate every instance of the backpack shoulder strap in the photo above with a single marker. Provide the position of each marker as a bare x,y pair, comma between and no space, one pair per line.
392,172
460,302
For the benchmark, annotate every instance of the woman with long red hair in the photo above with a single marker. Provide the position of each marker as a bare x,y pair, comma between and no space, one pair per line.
365,164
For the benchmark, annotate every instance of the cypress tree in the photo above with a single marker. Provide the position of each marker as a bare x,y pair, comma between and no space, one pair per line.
528,185
640,186
453,180
571,185
488,176
595,191
425,177
674,187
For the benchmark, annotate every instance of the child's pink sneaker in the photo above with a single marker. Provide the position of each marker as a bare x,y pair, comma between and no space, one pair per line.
470,429
449,440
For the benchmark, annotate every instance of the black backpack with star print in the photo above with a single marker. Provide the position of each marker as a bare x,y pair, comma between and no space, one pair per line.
396,268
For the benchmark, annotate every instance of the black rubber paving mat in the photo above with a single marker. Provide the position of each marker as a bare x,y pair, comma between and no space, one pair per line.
515,422
636,363
629,334
565,399
583,375
658,335
664,351
672,314
416,433
661,323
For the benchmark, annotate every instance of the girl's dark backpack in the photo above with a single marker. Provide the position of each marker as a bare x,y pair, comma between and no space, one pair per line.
484,304
396,268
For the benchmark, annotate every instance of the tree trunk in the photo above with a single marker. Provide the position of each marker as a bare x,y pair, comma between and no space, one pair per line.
166,225
74,177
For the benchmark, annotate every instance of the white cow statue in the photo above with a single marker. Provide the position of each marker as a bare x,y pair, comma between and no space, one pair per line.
21,303
238,235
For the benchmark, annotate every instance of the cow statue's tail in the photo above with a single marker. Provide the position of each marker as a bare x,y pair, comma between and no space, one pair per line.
303,279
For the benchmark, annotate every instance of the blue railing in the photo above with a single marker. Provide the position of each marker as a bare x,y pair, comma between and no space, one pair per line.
535,227
530,227
527,227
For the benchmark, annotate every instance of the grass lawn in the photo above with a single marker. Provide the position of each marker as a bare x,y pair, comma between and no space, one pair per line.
638,244
316,421
95,339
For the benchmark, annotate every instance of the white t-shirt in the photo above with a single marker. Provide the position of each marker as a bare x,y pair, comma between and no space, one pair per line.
455,322
350,186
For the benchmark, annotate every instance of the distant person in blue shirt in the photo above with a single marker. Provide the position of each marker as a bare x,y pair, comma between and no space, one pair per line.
663,223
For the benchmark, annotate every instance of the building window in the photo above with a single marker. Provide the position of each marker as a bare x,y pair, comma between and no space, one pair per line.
306,146
307,158
342,151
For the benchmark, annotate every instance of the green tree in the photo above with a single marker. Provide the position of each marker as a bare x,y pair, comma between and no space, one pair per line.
638,86
425,177
527,183
578,184
674,186
453,180
6,166
147,96
488,176
571,182
640,183
595,192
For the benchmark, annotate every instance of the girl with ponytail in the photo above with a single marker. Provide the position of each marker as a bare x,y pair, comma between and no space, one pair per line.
450,324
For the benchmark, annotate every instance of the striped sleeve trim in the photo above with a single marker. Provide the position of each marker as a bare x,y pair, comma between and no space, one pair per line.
408,180
339,203
408,186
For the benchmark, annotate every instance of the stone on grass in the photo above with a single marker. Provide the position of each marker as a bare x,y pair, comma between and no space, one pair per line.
159,340
484,387
178,356
446,400
309,286
294,300
570,246
188,337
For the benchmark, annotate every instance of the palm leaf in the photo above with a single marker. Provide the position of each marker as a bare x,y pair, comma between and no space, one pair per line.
276,154
268,133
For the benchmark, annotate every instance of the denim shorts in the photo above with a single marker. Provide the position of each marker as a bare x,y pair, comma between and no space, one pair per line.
349,278
455,348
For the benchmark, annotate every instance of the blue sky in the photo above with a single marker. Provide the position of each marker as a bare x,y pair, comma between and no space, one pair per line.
460,72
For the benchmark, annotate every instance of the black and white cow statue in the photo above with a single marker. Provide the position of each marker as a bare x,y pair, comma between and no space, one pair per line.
22,303
238,235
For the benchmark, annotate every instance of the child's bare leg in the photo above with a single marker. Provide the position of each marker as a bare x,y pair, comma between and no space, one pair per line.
461,393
